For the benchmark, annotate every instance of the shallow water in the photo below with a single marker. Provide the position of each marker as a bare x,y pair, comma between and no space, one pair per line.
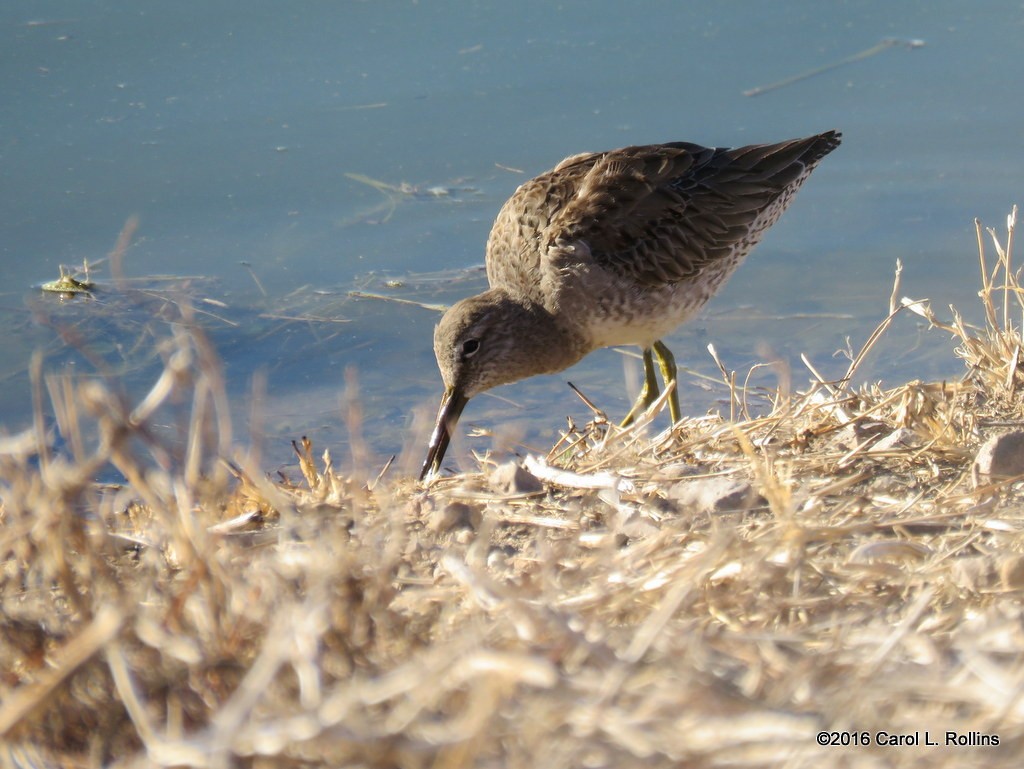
231,129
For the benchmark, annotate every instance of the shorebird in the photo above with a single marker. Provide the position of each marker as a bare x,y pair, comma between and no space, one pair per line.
611,248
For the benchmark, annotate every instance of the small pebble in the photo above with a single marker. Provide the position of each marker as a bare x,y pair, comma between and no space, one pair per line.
1011,572
715,495
510,478
500,558
999,458
452,516
971,572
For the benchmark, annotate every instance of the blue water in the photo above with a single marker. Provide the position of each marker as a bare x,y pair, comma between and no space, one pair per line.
228,129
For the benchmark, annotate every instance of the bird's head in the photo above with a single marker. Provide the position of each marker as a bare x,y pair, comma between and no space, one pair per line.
488,340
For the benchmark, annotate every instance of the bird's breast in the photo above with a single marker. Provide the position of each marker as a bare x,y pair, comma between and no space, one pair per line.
609,310
638,317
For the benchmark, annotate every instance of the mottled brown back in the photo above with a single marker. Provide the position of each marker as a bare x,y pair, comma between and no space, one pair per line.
657,214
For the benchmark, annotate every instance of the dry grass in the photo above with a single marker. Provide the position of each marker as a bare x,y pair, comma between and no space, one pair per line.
849,576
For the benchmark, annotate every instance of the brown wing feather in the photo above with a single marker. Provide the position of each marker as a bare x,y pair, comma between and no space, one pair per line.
660,213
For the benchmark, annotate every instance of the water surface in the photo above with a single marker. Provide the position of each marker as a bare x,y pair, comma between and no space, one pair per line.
242,134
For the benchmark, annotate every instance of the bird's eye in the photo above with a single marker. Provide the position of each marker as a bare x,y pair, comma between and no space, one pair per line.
469,348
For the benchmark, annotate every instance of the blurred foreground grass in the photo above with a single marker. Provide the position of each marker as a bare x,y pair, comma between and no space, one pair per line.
719,594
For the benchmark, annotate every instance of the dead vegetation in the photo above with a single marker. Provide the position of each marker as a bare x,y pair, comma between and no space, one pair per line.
715,595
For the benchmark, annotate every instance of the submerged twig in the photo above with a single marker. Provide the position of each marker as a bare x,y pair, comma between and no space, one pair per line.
397,300
889,42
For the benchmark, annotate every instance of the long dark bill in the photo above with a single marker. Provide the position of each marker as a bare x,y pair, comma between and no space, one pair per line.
452,404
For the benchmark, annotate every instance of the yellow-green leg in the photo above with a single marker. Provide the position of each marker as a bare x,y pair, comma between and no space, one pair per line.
667,364
648,393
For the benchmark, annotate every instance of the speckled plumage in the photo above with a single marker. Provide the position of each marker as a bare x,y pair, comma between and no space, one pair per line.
611,248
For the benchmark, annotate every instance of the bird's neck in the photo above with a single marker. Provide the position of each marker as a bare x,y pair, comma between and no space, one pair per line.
551,344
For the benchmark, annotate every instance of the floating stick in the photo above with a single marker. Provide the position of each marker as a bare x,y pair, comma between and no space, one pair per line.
888,42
